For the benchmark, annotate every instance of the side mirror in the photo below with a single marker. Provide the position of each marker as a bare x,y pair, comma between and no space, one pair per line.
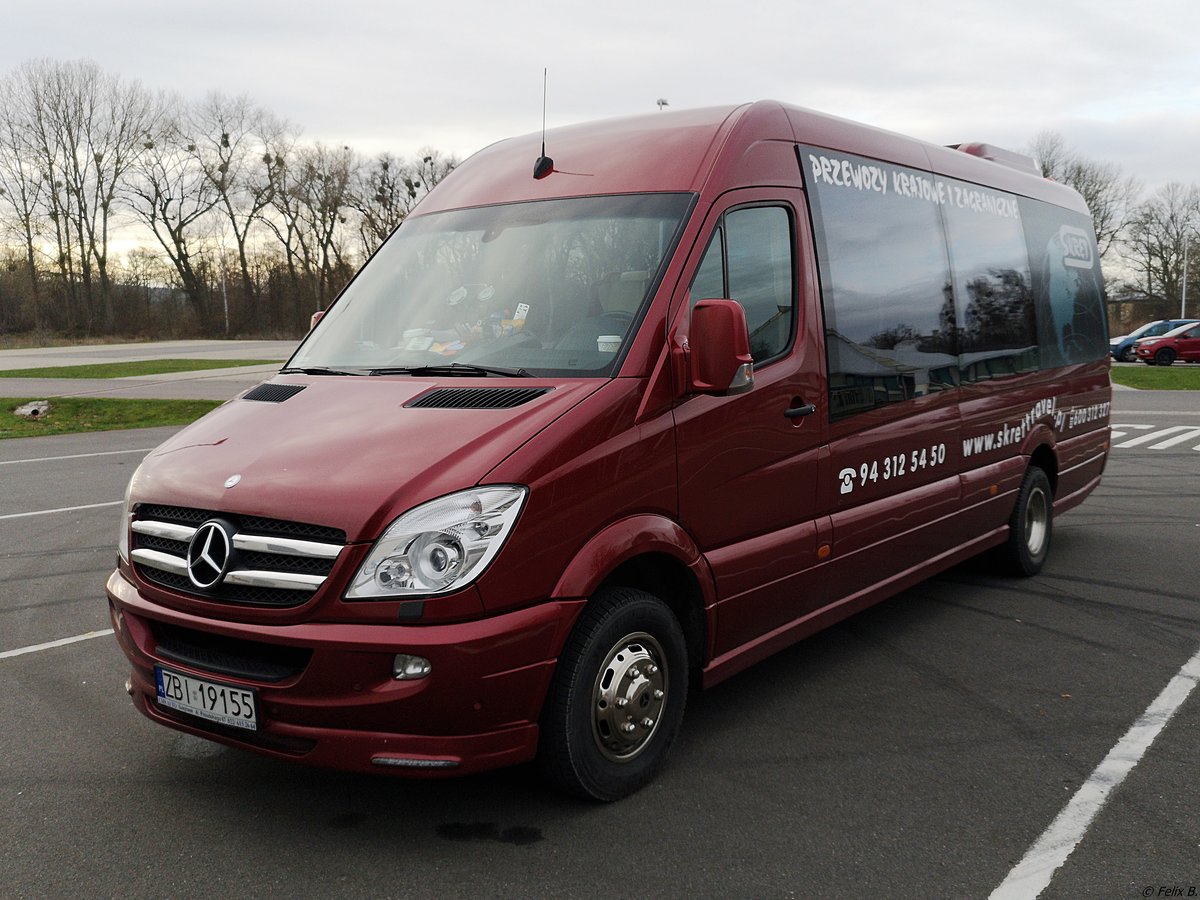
316,317
719,349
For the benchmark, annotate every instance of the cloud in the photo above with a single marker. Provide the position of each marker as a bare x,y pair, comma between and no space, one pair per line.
1120,83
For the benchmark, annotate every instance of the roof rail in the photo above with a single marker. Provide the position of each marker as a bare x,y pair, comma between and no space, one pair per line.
995,154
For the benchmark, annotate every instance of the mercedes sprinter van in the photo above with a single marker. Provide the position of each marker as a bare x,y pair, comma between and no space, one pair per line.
607,420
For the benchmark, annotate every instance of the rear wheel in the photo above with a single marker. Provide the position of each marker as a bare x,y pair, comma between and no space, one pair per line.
1031,525
617,698
1164,357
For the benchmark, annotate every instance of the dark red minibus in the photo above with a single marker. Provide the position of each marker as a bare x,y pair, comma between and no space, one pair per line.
591,430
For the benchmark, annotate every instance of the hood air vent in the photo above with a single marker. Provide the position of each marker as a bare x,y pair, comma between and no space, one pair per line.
274,393
476,398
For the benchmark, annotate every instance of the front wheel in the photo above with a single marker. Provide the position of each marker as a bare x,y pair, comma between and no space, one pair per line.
617,698
1031,525
1164,357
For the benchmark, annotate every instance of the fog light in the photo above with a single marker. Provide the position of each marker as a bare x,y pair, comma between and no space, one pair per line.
406,667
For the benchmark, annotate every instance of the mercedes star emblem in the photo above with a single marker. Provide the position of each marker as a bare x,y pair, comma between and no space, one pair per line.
208,555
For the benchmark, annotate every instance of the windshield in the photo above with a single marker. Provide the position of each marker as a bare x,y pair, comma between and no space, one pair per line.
551,287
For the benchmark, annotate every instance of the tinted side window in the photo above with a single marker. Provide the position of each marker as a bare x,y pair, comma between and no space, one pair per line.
1026,291
1068,289
996,322
890,329
750,260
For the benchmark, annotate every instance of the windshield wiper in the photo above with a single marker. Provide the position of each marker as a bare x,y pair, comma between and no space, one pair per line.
316,370
464,369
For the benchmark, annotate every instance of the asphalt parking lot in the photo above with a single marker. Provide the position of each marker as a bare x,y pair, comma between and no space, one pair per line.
920,749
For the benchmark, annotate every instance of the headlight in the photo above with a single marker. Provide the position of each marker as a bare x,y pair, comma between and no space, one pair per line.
126,515
440,546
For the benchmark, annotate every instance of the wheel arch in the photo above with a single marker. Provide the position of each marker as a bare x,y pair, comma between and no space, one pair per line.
1040,449
1045,458
654,554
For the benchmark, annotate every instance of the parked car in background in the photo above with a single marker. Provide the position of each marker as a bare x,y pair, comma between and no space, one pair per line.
1122,347
1182,343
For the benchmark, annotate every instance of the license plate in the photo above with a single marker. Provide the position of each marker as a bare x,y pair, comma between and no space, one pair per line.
232,706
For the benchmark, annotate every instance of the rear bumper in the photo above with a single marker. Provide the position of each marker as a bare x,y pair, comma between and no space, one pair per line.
338,706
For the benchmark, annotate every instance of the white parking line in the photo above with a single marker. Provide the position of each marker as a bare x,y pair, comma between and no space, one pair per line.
21,651
1190,434
1033,873
1120,430
1188,430
61,509
14,462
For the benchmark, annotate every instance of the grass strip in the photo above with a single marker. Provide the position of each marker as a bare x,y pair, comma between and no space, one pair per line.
71,415
1179,377
140,367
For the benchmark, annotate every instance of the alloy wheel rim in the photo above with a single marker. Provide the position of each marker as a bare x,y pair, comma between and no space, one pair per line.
1037,517
629,696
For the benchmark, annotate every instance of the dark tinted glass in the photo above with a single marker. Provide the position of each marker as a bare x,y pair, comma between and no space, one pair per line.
1025,291
889,310
1068,289
997,331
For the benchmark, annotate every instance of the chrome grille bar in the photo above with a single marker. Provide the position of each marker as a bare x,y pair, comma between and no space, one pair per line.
164,562
285,546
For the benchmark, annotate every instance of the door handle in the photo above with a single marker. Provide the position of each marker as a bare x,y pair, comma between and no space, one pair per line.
799,412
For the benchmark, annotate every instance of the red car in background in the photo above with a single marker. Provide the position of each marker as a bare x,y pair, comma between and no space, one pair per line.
1183,344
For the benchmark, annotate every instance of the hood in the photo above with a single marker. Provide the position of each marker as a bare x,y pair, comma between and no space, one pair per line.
348,452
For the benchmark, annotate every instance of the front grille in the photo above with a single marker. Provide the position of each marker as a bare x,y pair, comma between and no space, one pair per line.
271,563
276,527
220,655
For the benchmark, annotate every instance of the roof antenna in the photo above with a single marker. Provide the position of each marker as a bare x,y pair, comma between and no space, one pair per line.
544,165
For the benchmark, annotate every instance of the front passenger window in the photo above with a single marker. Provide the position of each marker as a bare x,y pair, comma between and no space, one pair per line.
750,260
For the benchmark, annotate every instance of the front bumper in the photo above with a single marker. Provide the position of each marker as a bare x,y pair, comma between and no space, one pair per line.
336,703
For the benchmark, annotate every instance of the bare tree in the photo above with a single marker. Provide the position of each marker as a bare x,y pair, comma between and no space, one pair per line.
21,190
86,128
83,153
312,197
1109,196
1154,246
381,199
171,193
237,144
387,189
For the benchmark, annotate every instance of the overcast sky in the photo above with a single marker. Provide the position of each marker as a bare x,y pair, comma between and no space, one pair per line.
1119,80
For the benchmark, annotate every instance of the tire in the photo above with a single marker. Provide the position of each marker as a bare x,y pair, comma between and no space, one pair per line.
1031,525
617,697
1164,357
1127,355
